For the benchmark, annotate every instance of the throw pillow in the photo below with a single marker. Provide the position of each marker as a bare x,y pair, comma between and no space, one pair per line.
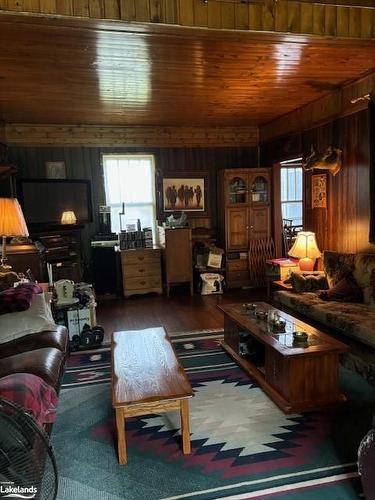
346,290
308,283
364,274
7,280
19,298
36,319
337,266
32,393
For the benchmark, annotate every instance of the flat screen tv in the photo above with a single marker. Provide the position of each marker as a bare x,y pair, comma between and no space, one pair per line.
44,200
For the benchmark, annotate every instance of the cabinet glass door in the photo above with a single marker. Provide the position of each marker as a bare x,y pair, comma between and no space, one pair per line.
259,189
237,190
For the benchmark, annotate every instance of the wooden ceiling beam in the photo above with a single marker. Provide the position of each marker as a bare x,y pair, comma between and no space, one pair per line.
347,100
61,135
284,16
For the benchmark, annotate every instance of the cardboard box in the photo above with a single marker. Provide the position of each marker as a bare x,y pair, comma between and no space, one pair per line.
77,318
214,260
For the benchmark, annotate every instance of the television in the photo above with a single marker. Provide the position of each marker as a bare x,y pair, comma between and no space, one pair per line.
44,200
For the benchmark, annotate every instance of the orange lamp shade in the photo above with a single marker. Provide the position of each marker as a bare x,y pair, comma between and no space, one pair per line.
12,221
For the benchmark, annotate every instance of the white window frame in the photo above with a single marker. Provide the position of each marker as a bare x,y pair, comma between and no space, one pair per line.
292,164
127,156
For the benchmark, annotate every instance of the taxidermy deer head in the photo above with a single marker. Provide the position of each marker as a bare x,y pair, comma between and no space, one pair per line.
330,160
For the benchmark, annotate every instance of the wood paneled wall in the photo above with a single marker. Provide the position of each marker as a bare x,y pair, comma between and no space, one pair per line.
284,16
85,163
2,133
344,225
344,101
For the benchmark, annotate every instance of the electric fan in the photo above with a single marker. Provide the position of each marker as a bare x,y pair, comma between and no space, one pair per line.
27,464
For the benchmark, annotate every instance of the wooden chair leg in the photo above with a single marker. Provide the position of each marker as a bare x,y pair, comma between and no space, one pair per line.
185,426
121,440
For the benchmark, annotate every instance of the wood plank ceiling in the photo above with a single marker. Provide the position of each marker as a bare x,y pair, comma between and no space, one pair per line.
82,74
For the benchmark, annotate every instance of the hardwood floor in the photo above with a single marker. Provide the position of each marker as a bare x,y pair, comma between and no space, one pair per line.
178,313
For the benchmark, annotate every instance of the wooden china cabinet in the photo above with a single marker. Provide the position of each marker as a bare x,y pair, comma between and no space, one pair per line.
245,215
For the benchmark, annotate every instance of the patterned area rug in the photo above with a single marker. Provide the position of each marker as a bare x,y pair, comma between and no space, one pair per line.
243,445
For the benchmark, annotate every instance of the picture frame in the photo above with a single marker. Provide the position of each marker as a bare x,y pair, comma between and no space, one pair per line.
319,190
185,191
55,169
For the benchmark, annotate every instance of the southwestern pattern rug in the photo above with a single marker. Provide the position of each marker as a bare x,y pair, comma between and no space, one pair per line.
243,446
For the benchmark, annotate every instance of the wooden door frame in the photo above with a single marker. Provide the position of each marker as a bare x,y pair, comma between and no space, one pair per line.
277,218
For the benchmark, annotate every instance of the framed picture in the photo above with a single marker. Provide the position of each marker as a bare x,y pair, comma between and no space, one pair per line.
319,191
55,170
185,192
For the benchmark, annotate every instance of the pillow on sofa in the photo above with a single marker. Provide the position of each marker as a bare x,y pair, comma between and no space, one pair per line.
19,298
36,319
364,274
31,393
308,283
346,290
7,280
337,265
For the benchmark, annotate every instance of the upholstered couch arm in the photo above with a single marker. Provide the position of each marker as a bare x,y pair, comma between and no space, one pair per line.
57,338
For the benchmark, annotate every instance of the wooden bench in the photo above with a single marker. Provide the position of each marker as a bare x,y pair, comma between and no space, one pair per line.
147,378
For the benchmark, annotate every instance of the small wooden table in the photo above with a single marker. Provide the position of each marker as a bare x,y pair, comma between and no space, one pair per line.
278,285
147,378
297,377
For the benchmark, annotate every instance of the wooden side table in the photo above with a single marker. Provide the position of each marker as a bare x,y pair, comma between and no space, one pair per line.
278,285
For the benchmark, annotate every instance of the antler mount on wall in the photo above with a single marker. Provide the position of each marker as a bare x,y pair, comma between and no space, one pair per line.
330,160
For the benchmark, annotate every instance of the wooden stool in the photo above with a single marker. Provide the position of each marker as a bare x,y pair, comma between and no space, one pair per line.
147,378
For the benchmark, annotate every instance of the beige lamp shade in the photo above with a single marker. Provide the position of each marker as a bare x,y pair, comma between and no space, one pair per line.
68,217
305,246
12,221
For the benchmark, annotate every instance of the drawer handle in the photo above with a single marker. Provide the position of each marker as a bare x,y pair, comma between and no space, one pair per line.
140,258
142,282
141,270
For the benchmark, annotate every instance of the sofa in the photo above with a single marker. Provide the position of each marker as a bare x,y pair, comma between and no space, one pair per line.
35,349
352,321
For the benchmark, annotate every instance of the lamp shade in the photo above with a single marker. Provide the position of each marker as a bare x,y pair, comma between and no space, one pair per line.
68,217
12,221
305,246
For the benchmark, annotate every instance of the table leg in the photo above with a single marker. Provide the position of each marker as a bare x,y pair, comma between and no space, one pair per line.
121,441
185,426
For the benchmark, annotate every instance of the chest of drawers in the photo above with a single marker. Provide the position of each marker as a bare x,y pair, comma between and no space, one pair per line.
141,271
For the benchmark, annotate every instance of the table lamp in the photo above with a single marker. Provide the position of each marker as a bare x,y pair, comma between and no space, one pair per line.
306,250
68,217
12,223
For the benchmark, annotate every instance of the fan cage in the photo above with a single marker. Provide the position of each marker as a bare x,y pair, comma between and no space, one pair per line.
27,462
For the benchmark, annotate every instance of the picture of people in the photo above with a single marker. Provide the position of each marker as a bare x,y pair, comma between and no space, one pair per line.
183,194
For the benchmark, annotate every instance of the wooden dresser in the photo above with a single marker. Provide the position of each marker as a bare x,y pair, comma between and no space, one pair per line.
177,256
141,271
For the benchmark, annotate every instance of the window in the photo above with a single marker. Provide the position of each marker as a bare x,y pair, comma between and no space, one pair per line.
292,191
130,179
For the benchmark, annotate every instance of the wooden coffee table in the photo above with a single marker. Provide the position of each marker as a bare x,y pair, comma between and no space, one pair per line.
297,377
147,378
